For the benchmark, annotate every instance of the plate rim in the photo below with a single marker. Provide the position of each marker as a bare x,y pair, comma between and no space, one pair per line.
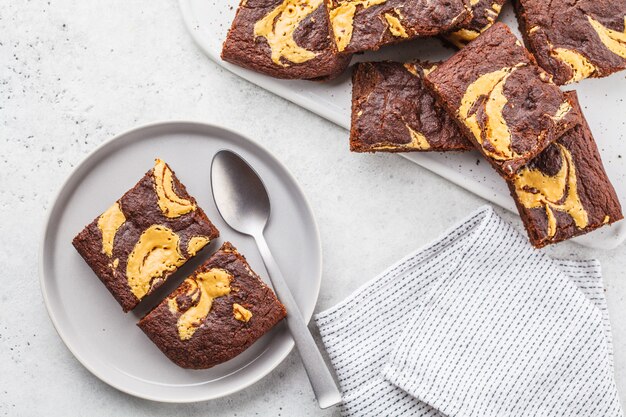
91,158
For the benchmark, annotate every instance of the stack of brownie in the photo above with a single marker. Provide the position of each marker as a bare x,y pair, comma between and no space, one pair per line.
492,96
143,238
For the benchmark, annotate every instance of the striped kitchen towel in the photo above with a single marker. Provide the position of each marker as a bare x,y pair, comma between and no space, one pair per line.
476,324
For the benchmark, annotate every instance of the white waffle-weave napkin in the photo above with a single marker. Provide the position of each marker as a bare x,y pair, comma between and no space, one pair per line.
478,323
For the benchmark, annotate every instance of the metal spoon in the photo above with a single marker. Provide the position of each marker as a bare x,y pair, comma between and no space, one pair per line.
243,202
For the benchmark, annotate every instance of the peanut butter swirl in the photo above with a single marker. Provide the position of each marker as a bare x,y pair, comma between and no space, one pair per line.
462,37
108,223
395,24
581,67
196,243
241,313
169,202
496,131
614,40
535,189
155,254
418,141
493,134
203,288
342,19
278,28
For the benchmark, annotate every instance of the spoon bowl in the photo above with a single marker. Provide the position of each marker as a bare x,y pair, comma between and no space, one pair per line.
239,193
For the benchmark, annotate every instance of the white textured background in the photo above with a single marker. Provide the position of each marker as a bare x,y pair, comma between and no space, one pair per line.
72,74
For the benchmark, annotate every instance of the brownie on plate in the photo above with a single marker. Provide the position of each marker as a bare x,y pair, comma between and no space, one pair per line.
284,39
215,314
145,236
573,40
565,192
502,100
484,14
361,25
392,111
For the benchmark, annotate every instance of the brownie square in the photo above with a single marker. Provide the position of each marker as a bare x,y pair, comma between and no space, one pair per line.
145,236
215,314
484,14
502,100
575,40
369,24
284,39
392,111
565,192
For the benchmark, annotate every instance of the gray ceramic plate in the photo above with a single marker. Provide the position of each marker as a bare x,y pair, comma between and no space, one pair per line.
91,323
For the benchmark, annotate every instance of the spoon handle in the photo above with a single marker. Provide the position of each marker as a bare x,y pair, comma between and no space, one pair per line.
323,384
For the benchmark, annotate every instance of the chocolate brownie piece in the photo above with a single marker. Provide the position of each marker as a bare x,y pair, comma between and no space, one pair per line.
360,25
484,14
565,192
284,39
573,40
215,314
502,100
392,111
145,236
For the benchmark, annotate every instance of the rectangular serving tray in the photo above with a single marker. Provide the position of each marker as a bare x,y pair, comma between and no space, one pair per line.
602,101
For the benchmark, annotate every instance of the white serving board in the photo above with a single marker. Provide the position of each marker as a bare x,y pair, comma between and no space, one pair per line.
602,101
